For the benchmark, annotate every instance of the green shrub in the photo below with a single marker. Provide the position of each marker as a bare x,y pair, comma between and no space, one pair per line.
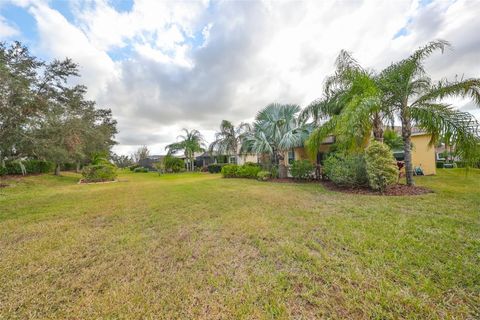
229,171
264,175
173,164
440,164
382,170
301,169
346,170
99,173
140,169
133,167
3,171
215,167
13,167
248,170
38,166
274,171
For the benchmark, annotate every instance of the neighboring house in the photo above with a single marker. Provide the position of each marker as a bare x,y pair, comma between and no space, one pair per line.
150,161
207,158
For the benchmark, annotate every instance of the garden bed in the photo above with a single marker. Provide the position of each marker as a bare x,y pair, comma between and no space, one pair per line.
290,180
82,181
394,190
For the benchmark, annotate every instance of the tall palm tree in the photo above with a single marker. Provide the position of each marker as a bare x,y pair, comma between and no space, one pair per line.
352,107
362,104
191,142
416,101
229,138
277,129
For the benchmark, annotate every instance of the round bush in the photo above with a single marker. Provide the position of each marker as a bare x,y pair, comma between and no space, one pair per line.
382,170
346,170
99,173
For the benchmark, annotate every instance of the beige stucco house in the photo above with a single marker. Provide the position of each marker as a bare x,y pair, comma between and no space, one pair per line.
423,154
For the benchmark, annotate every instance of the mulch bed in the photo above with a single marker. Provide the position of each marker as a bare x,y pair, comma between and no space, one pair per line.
96,182
290,180
394,190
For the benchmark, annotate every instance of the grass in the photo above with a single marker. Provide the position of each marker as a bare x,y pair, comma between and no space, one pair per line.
199,246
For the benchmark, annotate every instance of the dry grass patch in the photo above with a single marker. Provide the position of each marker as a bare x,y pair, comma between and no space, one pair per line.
198,246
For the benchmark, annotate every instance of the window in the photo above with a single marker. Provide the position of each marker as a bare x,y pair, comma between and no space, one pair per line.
291,156
233,159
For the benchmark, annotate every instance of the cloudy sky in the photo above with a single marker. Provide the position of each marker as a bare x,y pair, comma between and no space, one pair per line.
164,65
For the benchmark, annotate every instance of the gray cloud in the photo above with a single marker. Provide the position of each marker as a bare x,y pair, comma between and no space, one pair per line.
255,53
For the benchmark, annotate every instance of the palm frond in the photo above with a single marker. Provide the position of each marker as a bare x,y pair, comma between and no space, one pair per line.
469,88
442,120
425,51
318,136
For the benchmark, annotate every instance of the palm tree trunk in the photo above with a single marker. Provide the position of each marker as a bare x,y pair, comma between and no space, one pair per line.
282,168
377,128
407,146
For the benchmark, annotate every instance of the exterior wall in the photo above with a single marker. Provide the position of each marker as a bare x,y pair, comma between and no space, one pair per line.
301,153
241,159
423,155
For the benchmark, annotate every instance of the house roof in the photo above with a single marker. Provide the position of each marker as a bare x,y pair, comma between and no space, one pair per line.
416,131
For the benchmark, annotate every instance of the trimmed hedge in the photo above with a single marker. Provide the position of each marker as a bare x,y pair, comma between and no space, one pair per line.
346,170
216,167
31,167
229,171
99,173
301,169
39,166
248,170
140,169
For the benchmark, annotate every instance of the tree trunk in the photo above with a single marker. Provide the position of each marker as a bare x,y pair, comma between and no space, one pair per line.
77,169
57,170
407,146
377,128
282,168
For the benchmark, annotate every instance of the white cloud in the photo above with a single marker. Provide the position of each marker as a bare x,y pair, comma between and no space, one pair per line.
192,64
7,30
59,39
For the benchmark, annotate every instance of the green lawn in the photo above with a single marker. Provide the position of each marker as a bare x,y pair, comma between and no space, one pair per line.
199,246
